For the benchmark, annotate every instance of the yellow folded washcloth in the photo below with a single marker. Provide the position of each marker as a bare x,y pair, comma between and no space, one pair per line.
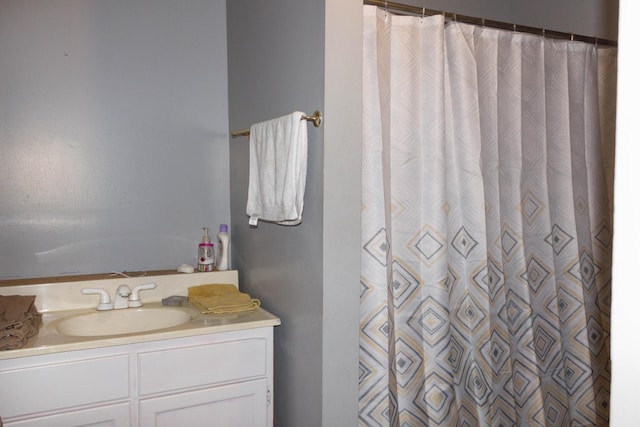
220,299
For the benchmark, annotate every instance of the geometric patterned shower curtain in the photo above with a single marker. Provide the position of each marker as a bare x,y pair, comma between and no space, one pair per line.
486,226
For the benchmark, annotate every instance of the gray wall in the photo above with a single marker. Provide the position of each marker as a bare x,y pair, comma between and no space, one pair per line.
113,133
276,66
282,58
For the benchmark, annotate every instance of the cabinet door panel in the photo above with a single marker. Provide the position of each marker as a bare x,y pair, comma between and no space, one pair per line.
33,389
234,405
106,416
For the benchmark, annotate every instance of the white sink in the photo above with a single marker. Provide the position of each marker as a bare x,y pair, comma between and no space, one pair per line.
125,321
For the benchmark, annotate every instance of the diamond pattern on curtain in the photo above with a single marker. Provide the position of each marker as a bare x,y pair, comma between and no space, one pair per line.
486,226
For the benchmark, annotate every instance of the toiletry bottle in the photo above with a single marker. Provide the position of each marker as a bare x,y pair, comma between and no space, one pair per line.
222,260
205,252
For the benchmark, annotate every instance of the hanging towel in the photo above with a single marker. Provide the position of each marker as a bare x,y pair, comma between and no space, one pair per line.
277,170
221,299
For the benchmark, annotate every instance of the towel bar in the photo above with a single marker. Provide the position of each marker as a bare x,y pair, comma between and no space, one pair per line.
316,119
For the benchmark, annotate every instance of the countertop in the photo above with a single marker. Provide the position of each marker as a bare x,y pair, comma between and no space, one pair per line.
59,300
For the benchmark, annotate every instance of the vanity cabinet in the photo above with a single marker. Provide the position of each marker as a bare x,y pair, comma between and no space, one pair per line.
216,383
222,379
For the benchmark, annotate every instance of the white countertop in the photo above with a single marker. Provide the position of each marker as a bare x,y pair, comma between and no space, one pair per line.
59,300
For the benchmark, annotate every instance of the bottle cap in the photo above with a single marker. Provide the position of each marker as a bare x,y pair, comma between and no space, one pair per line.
223,228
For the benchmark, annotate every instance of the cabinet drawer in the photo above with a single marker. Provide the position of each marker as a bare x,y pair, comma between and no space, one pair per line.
33,389
197,366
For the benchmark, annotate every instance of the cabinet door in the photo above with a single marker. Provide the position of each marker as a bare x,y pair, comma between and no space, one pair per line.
104,416
234,405
42,387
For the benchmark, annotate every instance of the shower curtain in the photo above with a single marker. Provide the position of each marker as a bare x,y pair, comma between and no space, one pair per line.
486,226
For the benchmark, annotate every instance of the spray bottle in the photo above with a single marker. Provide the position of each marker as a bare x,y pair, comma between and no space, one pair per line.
205,252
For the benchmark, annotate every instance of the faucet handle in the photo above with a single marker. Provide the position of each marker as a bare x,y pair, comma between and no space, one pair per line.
134,297
105,301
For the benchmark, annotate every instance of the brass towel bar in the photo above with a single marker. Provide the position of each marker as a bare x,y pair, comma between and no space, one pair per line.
316,119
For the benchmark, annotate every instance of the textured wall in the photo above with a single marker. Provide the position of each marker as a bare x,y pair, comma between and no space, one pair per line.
113,133
276,66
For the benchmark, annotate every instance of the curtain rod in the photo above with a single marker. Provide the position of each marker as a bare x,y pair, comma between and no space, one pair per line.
421,11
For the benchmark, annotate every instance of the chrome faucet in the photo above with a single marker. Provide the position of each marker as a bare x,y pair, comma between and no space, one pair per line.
123,298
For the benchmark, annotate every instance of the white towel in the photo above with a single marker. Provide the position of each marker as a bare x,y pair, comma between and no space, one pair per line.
277,170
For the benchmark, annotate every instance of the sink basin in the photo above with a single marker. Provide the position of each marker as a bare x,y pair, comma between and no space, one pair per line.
125,321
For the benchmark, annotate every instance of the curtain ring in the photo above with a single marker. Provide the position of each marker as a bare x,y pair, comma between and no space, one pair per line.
422,13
